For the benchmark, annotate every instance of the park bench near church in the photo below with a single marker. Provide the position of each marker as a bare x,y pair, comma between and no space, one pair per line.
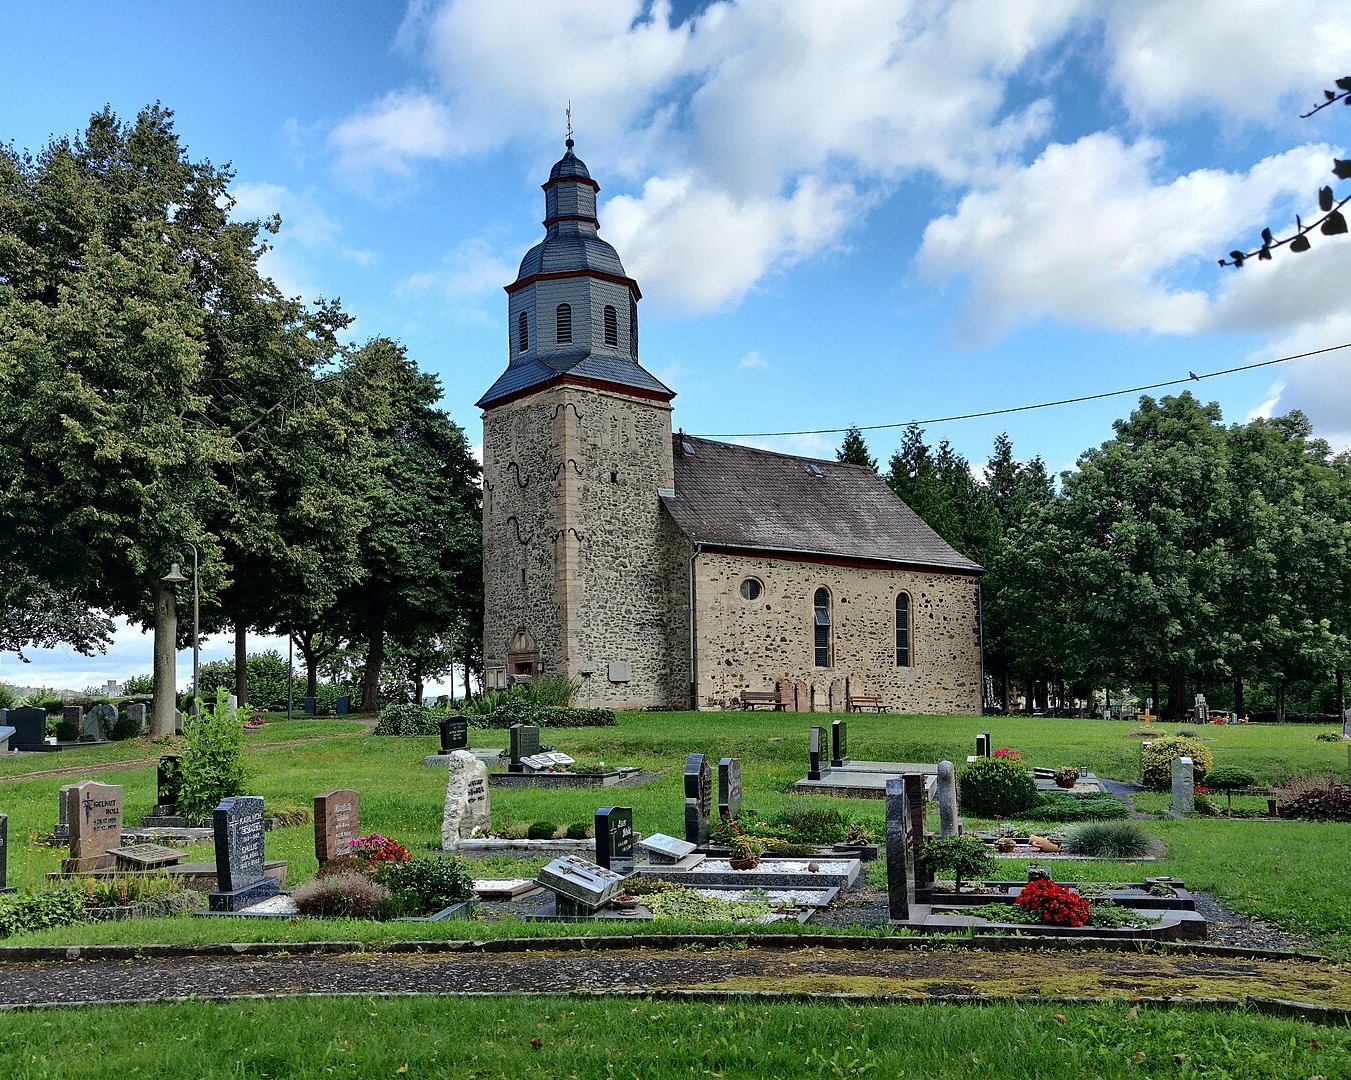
859,702
754,699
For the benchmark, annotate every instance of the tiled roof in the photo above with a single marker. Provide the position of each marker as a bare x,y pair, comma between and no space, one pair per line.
738,496
575,250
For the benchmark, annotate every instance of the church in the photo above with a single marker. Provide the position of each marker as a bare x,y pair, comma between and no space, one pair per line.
664,571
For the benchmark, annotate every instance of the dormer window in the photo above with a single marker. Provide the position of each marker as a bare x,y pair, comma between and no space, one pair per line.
564,324
522,333
611,326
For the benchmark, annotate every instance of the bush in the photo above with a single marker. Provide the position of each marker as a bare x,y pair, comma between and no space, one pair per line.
962,856
408,720
1328,801
425,886
139,686
266,672
1108,840
517,710
9,696
124,728
1063,806
350,896
1157,760
579,830
541,830
996,787
67,731
213,759
809,823
21,912
1230,778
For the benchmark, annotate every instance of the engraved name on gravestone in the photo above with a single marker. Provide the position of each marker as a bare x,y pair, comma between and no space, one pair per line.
614,838
729,788
94,815
817,762
524,743
239,831
839,744
900,855
698,798
454,733
337,822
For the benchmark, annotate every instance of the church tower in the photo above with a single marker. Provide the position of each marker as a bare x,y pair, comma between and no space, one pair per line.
576,455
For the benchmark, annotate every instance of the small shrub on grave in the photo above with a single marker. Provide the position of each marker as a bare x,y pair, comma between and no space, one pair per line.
349,896
425,886
1108,840
541,830
1055,904
286,815
996,787
1086,806
579,830
1157,760
25,911
408,720
1229,778
809,823
962,856
121,889
1330,801
67,731
1328,736
213,759
125,728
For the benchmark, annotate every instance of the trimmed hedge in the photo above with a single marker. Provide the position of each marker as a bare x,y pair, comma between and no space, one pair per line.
408,720
996,787
1157,760
517,711
1063,806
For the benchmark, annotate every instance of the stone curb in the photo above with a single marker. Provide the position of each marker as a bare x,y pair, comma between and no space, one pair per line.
987,942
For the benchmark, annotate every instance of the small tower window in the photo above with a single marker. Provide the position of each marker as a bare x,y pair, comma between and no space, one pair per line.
611,326
564,324
522,333
821,627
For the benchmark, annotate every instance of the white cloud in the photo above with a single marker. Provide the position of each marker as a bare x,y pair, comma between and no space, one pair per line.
476,268
751,360
393,134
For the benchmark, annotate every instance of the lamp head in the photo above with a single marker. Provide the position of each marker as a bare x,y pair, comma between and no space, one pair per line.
175,576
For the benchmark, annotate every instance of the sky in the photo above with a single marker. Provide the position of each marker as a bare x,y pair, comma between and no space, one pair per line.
847,213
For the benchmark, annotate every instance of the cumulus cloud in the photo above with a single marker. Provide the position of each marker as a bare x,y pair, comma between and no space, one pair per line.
393,134
752,360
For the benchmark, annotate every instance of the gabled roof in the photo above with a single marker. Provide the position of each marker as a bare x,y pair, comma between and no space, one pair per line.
738,496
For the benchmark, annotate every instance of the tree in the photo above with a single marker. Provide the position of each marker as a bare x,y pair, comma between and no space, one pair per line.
854,451
37,616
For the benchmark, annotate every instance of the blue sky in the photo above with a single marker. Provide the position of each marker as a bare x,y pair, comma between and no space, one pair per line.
846,213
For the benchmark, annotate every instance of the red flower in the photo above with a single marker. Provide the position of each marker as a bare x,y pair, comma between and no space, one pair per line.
1054,903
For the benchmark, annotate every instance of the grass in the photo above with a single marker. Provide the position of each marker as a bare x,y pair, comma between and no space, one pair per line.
552,1036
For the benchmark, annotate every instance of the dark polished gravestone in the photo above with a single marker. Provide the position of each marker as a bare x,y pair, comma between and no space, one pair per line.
614,838
454,733
914,783
168,784
6,731
30,728
839,744
698,799
4,853
239,830
337,822
900,854
818,763
729,788
524,743
342,705
310,705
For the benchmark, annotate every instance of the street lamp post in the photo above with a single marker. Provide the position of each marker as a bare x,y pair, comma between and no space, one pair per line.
196,636
166,634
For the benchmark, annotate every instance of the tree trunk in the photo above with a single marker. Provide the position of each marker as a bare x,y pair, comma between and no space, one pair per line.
164,709
1008,690
1280,702
1177,691
241,662
1157,697
1341,695
375,657
417,688
1238,697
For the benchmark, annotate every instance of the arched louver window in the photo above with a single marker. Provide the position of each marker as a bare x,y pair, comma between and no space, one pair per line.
522,333
564,324
633,327
821,627
902,629
611,326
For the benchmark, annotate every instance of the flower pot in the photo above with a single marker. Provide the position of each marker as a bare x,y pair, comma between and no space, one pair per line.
1064,783
748,863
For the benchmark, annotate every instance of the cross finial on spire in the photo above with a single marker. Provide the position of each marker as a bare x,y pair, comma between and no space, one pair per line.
568,113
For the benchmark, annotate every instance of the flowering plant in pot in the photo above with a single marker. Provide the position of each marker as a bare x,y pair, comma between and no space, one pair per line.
746,853
1066,776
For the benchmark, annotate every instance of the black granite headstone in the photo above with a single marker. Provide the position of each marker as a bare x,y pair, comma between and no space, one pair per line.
729,788
698,798
239,831
342,705
454,733
168,782
981,746
4,850
524,743
900,855
30,727
839,744
614,838
914,796
817,764
989,745
310,705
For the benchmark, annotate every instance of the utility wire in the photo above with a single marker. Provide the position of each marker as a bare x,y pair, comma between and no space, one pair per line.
1191,377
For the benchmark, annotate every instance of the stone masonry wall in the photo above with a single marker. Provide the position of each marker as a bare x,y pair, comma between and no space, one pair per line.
751,645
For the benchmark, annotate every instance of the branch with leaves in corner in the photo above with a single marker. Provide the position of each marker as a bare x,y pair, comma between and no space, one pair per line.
1332,223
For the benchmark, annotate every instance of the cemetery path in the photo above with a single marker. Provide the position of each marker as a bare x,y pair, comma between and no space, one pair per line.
733,967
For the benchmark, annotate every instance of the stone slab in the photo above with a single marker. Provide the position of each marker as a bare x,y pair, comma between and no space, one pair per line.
504,888
583,882
487,755
6,733
146,856
235,900
665,848
848,783
783,873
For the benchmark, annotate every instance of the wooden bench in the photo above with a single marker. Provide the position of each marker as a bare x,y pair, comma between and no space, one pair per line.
753,699
859,702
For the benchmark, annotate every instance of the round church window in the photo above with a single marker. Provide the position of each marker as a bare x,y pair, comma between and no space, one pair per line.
751,589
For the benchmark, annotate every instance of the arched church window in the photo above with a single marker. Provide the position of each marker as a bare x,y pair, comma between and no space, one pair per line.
902,629
821,639
611,326
564,324
522,333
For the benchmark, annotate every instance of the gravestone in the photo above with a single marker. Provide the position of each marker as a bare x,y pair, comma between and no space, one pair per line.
73,714
1184,787
99,722
136,713
524,743
94,814
4,852
900,854
947,799
6,731
467,812
1202,711
839,744
914,795
698,798
580,886
614,838
309,705
61,830
337,822
818,764
239,831
729,788
342,705
30,727
454,733
666,850
1144,745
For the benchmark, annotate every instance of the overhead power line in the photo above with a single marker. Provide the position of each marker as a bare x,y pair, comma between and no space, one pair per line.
1191,377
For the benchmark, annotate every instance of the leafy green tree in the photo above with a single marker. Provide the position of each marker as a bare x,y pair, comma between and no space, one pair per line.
854,451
